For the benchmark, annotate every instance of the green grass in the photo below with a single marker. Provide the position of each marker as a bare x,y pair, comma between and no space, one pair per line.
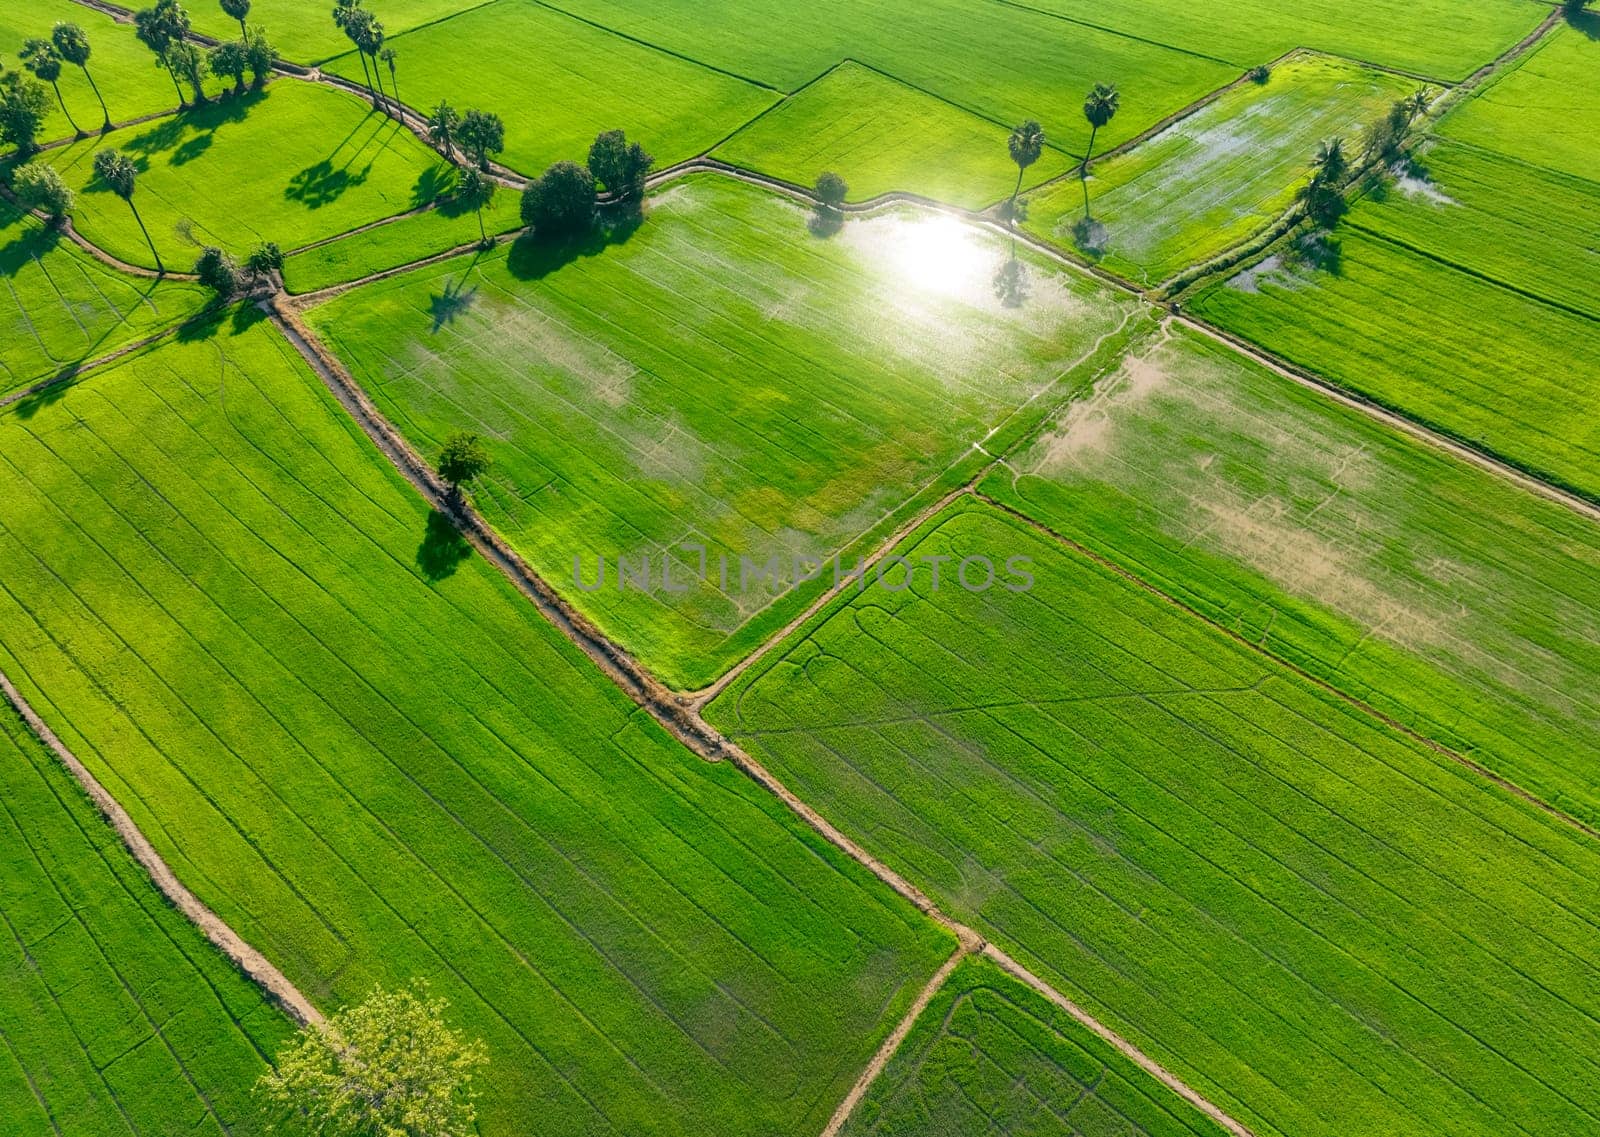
1506,372
293,163
881,135
116,1015
991,1056
1545,110
65,307
1438,38
396,243
557,82
724,378
305,32
1444,595
1520,225
1321,926
1218,177
377,761
999,61
123,68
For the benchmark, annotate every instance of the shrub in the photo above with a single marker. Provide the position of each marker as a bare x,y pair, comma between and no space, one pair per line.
619,165
39,187
217,272
831,189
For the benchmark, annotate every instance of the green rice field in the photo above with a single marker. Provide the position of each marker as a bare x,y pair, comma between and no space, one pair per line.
512,55
990,1055
116,1015
1321,925
1453,601
66,307
721,378
1497,368
304,32
874,131
222,599
321,162
1216,178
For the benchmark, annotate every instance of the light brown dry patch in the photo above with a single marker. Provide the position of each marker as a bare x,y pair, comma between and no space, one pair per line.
1090,428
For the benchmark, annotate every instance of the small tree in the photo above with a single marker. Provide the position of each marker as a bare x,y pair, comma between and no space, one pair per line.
1025,145
476,191
23,105
184,60
348,16
158,28
1100,107
265,259
217,272
38,186
832,190
121,176
258,55
1323,196
560,201
367,33
388,55
462,461
1329,163
230,61
389,1065
238,9
480,135
442,128
40,57
73,45
620,166
1416,104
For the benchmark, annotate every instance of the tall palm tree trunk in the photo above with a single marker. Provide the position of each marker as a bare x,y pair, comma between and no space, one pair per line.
159,266
173,75
483,236
382,91
76,129
399,107
244,32
368,76
1084,169
105,125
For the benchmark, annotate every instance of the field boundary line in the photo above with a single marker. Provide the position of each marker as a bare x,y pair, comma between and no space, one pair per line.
891,1045
72,370
667,51
1324,685
251,962
1120,34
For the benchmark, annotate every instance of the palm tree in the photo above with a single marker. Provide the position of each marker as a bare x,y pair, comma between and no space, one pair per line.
369,41
158,29
40,57
442,129
388,57
1329,163
1025,144
1416,104
1100,107
477,190
352,19
118,171
73,45
238,9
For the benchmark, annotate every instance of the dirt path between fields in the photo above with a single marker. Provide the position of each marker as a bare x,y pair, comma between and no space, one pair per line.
250,961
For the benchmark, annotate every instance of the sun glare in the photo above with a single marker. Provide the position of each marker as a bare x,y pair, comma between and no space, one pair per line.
941,255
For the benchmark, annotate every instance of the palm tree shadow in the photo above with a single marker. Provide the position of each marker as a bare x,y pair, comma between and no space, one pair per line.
1586,22
443,547
455,300
1011,285
432,184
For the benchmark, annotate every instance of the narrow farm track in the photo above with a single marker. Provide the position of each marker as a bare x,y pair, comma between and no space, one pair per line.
250,961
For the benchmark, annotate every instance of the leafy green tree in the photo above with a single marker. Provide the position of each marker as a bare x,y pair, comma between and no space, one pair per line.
1100,107
476,190
560,201
121,176
266,258
230,60
238,9
184,59
832,189
217,272
442,127
40,57
620,166
23,104
38,186
480,135
158,28
462,461
386,1067
259,54
73,44
1025,145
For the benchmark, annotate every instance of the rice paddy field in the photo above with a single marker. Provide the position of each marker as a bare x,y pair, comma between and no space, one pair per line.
123,68
1431,589
304,32
221,598
63,307
874,131
990,1055
320,162
1321,924
582,79
1214,179
116,1015
722,378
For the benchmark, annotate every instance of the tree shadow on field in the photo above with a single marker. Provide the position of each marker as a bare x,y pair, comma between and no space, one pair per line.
433,184
824,221
443,548
444,307
1586,22
188,134
533,257
207,323
32,243
319,184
